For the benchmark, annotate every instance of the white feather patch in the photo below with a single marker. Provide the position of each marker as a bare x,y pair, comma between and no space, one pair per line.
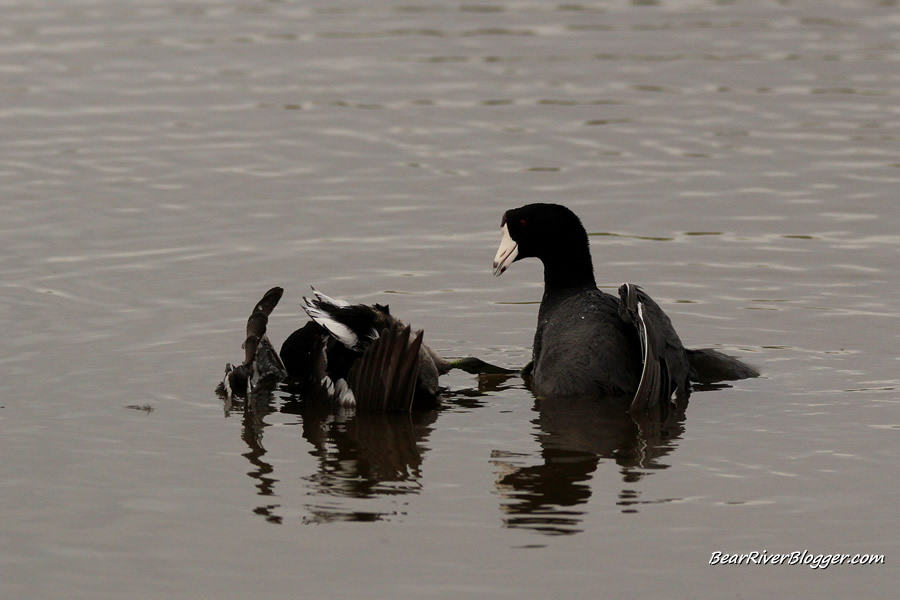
328,299
340,331
642,331
645,341
343,395
229,393
328,385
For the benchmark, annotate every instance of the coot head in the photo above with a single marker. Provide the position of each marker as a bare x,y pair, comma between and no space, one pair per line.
551,233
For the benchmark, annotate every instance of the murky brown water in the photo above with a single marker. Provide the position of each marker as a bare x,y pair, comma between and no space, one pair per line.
164,163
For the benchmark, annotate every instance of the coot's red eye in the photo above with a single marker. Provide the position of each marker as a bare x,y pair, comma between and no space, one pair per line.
521,222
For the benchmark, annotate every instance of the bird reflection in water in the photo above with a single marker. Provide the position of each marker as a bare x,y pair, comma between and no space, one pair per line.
360,456
364,456
575,435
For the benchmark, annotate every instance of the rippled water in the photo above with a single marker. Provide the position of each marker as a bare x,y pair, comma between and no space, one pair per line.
164,163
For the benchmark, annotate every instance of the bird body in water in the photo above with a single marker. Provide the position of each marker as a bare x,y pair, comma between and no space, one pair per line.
352,355
590,343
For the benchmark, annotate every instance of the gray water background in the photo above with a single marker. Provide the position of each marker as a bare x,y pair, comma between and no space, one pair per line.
164,163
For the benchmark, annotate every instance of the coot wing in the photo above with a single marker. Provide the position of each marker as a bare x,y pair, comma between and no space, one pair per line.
665,376
384,377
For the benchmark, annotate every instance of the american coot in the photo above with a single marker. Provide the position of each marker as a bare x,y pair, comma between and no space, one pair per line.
349,354
590,343
361,355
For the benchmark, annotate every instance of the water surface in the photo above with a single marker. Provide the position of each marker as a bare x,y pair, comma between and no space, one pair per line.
164,163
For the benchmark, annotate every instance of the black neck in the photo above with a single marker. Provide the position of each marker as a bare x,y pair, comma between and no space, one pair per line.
572,269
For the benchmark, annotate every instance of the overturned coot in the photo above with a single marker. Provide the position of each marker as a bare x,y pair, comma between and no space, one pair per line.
353,355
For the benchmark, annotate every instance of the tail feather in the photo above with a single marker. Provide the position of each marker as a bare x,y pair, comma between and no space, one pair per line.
328,299
712,366
322,313
353,325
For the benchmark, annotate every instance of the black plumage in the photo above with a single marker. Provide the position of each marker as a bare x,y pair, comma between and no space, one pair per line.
261,365
348,354
590,343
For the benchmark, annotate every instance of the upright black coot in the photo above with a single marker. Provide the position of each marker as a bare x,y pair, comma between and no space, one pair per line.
590,343
350,354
